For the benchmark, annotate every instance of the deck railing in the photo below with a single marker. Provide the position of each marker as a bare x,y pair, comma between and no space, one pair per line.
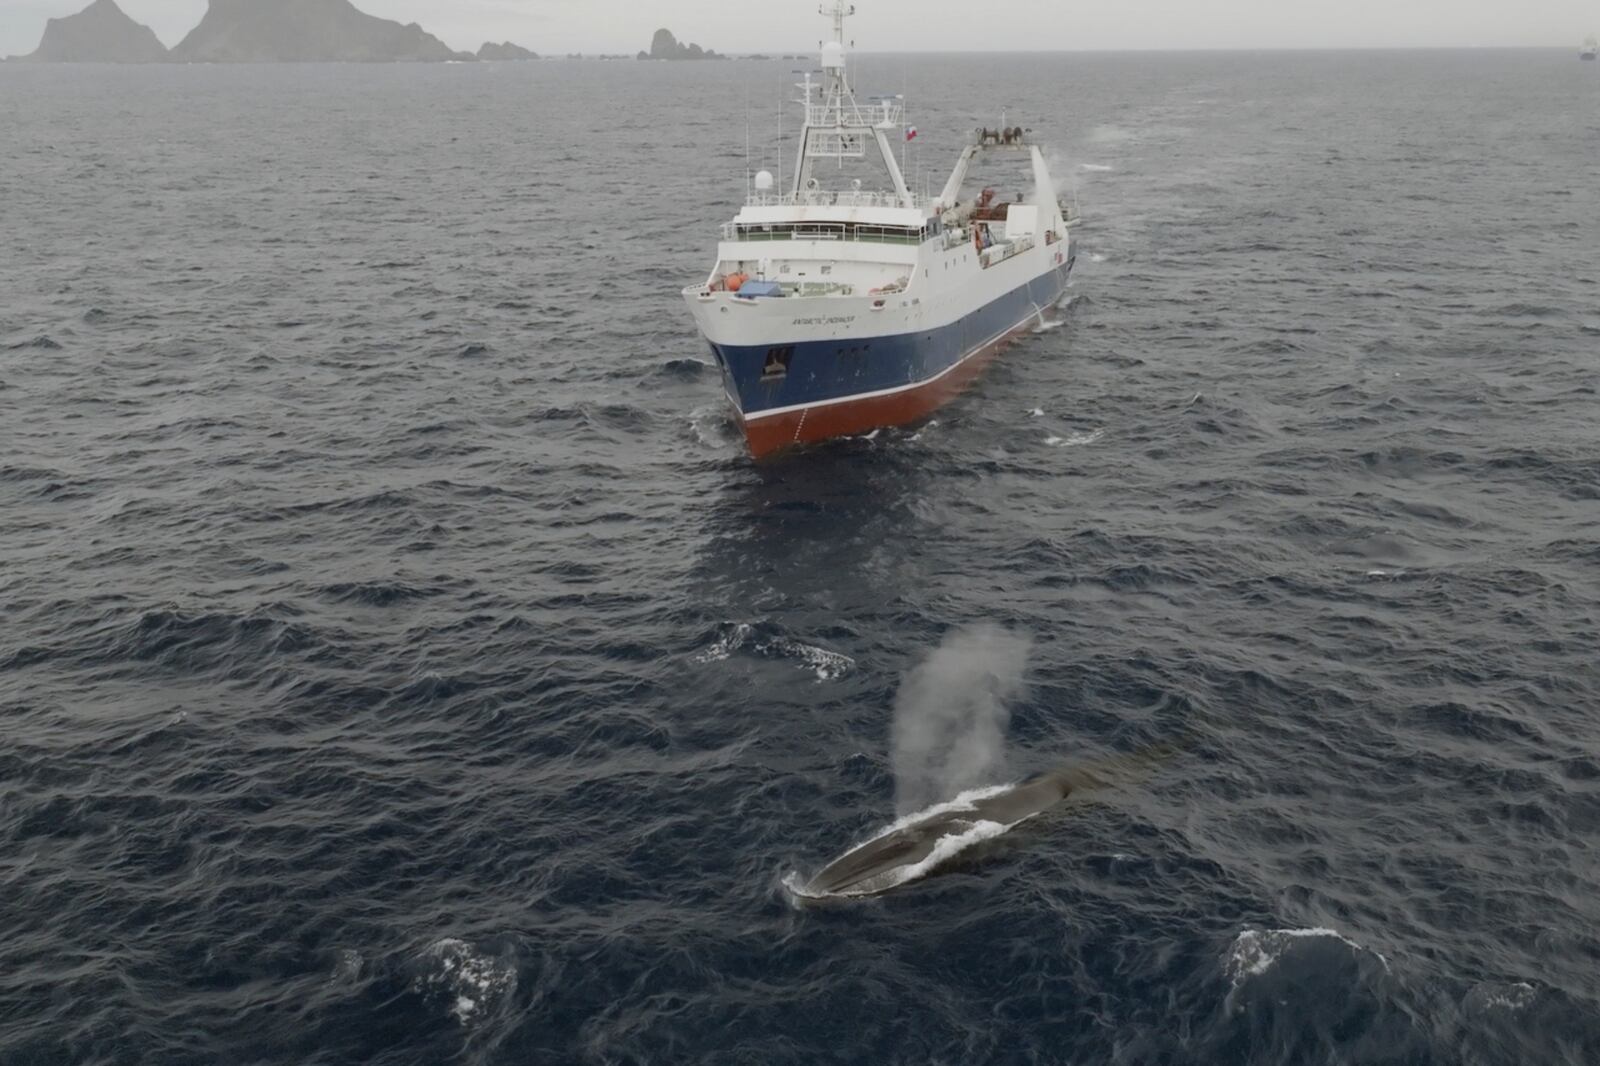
821,231
834,198
880,114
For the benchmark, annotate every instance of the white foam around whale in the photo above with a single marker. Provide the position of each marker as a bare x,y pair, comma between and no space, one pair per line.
467,980
947,848
727,644
826,665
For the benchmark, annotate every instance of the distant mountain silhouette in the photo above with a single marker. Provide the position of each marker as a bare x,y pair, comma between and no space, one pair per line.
101,33
506,50
271,31
665,46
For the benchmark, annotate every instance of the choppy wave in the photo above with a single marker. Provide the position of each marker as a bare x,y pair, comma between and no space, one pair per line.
1516,996
1075,440
1256,951
402,662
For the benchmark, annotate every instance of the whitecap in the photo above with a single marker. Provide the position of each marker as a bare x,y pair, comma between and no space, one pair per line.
468,981
1096,257
1096,168
347,966
711,426
1501,997
1256,951
1075,440
1037,412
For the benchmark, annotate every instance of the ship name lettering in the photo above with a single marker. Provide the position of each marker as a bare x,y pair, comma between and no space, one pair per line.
835,320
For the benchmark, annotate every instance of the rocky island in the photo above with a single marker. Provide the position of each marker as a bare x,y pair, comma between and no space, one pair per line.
306,31
666,46
101,33
505,51
255,31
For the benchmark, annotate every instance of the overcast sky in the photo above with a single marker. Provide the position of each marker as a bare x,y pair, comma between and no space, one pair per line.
560,26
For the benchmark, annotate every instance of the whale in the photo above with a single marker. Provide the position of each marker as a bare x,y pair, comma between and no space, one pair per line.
920,843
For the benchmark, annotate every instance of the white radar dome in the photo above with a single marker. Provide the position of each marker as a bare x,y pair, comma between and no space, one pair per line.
764,181
833,56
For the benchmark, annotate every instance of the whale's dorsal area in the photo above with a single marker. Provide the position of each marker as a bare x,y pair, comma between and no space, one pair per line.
889,860
913,848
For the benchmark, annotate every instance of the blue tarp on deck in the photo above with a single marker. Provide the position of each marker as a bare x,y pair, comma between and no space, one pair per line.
751,289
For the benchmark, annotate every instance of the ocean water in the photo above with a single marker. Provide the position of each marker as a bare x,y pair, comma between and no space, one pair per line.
401,662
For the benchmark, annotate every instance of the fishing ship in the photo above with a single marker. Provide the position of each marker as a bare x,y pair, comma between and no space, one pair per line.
835,310
1591,48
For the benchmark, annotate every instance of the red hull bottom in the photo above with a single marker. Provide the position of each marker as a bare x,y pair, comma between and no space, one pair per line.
849,418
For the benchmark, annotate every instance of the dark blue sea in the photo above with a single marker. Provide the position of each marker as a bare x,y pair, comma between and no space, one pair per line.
401,662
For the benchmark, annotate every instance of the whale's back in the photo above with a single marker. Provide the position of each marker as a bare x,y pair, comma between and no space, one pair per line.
873,867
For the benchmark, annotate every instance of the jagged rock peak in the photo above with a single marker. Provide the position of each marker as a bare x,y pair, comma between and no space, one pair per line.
100,33
665,46
306,31
505,51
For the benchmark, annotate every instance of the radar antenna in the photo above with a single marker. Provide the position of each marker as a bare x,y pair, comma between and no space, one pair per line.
839,12
838,127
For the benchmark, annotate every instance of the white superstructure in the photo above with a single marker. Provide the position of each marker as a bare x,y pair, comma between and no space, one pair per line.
815,264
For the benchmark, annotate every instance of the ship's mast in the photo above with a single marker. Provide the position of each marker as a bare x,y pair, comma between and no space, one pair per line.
838,82
837,127
840,12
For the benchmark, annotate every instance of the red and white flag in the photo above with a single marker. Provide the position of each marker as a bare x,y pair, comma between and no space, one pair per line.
911,133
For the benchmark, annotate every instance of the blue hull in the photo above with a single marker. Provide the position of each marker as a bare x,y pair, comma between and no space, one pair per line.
836,371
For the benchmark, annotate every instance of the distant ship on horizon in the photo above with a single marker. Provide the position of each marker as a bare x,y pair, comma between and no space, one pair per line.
835,310
1591,48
